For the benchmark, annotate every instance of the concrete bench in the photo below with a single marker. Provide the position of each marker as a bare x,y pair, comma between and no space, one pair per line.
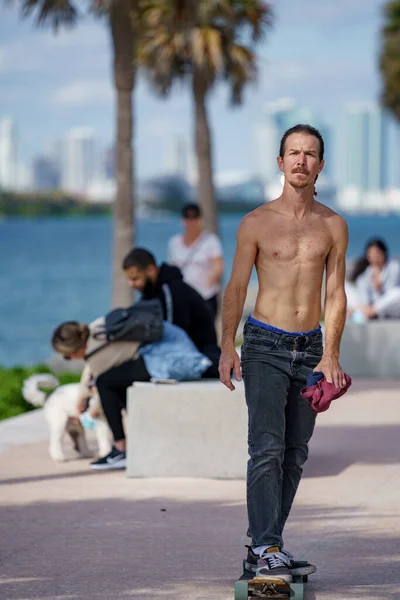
372,349
188,429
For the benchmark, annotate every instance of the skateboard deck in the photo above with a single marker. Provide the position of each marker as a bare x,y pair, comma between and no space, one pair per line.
250,586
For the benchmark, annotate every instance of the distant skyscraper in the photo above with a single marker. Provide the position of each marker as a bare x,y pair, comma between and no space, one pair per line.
368,172
108,163
280,116
8,154
176,158
268,135
79,160
45,174
366,147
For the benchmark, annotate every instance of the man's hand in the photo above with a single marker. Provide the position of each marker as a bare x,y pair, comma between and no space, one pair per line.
332,370
229,361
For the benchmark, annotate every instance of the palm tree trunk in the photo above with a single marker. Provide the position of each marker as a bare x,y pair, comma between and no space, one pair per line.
122,27
206,191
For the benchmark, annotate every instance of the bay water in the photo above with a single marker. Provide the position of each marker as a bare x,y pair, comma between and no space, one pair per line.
58,269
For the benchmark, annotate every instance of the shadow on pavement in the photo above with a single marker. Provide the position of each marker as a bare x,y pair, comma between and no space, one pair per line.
334,448
158,548
48,477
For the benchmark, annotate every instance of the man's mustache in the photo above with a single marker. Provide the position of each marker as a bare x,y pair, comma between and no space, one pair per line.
300,170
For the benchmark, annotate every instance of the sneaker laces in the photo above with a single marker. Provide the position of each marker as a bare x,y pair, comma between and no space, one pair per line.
288,554
275,559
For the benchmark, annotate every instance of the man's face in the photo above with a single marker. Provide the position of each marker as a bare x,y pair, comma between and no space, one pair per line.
142,280
300,163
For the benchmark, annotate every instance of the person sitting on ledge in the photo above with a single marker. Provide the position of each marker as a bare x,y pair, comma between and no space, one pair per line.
377,288
182,304
116,365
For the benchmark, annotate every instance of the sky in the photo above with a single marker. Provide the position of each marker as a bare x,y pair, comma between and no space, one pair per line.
322,54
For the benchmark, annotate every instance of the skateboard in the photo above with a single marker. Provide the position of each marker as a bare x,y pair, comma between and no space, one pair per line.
250,586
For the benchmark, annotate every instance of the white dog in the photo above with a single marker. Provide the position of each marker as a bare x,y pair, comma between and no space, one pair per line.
60,410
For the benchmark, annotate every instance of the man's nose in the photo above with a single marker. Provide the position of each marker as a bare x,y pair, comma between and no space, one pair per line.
301,160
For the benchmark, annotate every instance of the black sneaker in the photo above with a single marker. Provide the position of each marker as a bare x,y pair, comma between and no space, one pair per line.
296,567
299,567
115,460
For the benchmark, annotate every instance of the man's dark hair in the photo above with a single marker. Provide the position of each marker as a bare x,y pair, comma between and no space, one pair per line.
139,258
301,128
191,210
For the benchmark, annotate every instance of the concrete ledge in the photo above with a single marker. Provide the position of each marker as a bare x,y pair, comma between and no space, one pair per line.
371,350
190,429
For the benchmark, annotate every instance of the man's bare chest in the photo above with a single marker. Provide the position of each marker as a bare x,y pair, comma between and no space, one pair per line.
294,243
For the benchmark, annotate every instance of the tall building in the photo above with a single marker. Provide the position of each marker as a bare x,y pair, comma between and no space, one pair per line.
279,116
109,162
8,154
367,159
176,158
268,135
366,147
45,173
79,162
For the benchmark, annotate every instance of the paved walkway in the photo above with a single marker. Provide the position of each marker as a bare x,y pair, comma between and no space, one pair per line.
67,533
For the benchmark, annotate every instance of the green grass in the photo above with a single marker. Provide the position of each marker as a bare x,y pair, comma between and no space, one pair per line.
11,380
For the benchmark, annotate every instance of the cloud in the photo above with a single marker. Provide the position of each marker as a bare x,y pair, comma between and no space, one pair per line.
14,58
316,77
328,12
85,36
83,93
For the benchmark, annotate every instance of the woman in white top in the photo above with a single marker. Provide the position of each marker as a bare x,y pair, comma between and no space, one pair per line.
198,254
377,289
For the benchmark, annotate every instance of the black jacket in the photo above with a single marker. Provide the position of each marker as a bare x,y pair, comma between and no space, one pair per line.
184,307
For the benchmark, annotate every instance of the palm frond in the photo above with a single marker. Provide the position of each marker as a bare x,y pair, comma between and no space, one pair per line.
214,50
55,13
203,36
389,62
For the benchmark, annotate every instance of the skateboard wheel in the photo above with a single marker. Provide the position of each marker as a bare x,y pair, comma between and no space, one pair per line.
241,590
296,591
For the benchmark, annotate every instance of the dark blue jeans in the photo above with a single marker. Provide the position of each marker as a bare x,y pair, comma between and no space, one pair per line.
281,422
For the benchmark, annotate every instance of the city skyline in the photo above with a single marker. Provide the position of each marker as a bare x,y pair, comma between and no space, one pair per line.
370,158
67,79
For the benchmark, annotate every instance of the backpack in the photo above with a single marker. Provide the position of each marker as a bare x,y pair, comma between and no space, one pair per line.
141,322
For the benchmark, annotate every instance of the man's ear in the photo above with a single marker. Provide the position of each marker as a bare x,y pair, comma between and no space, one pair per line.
152,272
279,161
321,166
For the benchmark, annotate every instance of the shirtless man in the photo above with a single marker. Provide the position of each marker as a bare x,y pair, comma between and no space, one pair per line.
290,241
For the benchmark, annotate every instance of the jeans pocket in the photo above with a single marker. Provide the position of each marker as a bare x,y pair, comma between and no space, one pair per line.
257,345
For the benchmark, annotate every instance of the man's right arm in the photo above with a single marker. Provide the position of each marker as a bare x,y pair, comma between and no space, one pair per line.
234,298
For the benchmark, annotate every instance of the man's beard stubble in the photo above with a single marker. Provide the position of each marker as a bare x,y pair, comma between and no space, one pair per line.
148,289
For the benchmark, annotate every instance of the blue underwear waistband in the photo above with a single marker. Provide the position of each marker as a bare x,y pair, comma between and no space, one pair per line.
276,330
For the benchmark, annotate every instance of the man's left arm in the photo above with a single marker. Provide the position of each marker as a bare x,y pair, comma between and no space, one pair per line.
335,305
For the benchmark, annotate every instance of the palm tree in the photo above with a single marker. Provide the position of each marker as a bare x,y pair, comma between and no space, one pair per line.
122,18
201,43
390,58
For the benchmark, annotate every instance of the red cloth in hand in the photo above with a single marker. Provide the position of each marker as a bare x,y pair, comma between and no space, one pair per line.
322,393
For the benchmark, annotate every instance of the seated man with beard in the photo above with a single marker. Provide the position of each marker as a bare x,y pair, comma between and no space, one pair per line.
182,305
